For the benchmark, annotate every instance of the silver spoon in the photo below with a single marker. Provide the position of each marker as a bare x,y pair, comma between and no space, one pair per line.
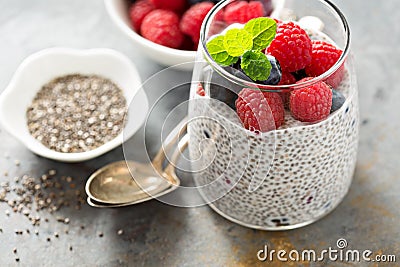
113,185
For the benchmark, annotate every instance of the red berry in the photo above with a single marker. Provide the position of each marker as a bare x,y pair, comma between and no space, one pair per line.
243,11
193,18
200,90
138,12
286,79
188,44
173,5
285,98
217,26
291,47
219,16
252,109
312,103
324,56
162,27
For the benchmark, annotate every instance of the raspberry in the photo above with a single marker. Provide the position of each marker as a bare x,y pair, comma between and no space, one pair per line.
193,18
173,5
162,27
287,78
243,11
188,44
324,56
252,109
285,98
200,90
291,47
312,103
217,27
138,12
219,16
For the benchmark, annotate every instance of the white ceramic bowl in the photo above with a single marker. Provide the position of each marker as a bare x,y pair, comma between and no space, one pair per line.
47,64
118,11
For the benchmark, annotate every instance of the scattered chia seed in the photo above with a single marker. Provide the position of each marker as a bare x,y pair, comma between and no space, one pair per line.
17,259
45,194
77,113
15,250
101,234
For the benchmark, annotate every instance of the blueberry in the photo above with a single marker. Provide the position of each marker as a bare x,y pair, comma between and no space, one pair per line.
276,72
338,100
300,74
273,79
236,65
223,94
223,89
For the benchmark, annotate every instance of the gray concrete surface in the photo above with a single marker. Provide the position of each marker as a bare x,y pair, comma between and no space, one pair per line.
159,235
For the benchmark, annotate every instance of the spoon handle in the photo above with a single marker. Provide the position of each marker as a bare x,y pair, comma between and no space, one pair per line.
171,139
169,171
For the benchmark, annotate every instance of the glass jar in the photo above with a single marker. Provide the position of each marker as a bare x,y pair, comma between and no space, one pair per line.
282,178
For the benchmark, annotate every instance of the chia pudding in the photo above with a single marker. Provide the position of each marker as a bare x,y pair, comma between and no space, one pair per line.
310,170
279,179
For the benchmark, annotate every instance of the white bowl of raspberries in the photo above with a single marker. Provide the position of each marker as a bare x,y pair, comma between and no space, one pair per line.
167,31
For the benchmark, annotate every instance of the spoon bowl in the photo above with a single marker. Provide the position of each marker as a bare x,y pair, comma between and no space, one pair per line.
97,204
123,182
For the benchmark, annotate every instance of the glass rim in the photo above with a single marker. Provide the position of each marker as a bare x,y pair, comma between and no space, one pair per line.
220,5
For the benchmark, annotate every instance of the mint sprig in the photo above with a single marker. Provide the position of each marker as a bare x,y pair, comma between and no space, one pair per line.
218,52
262,30
256,65
237,41
246,43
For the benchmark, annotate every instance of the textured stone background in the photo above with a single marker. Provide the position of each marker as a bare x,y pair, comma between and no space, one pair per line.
156,234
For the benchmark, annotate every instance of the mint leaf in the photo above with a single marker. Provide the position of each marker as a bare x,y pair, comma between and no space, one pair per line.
237,41
256,65
262,30
218,52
